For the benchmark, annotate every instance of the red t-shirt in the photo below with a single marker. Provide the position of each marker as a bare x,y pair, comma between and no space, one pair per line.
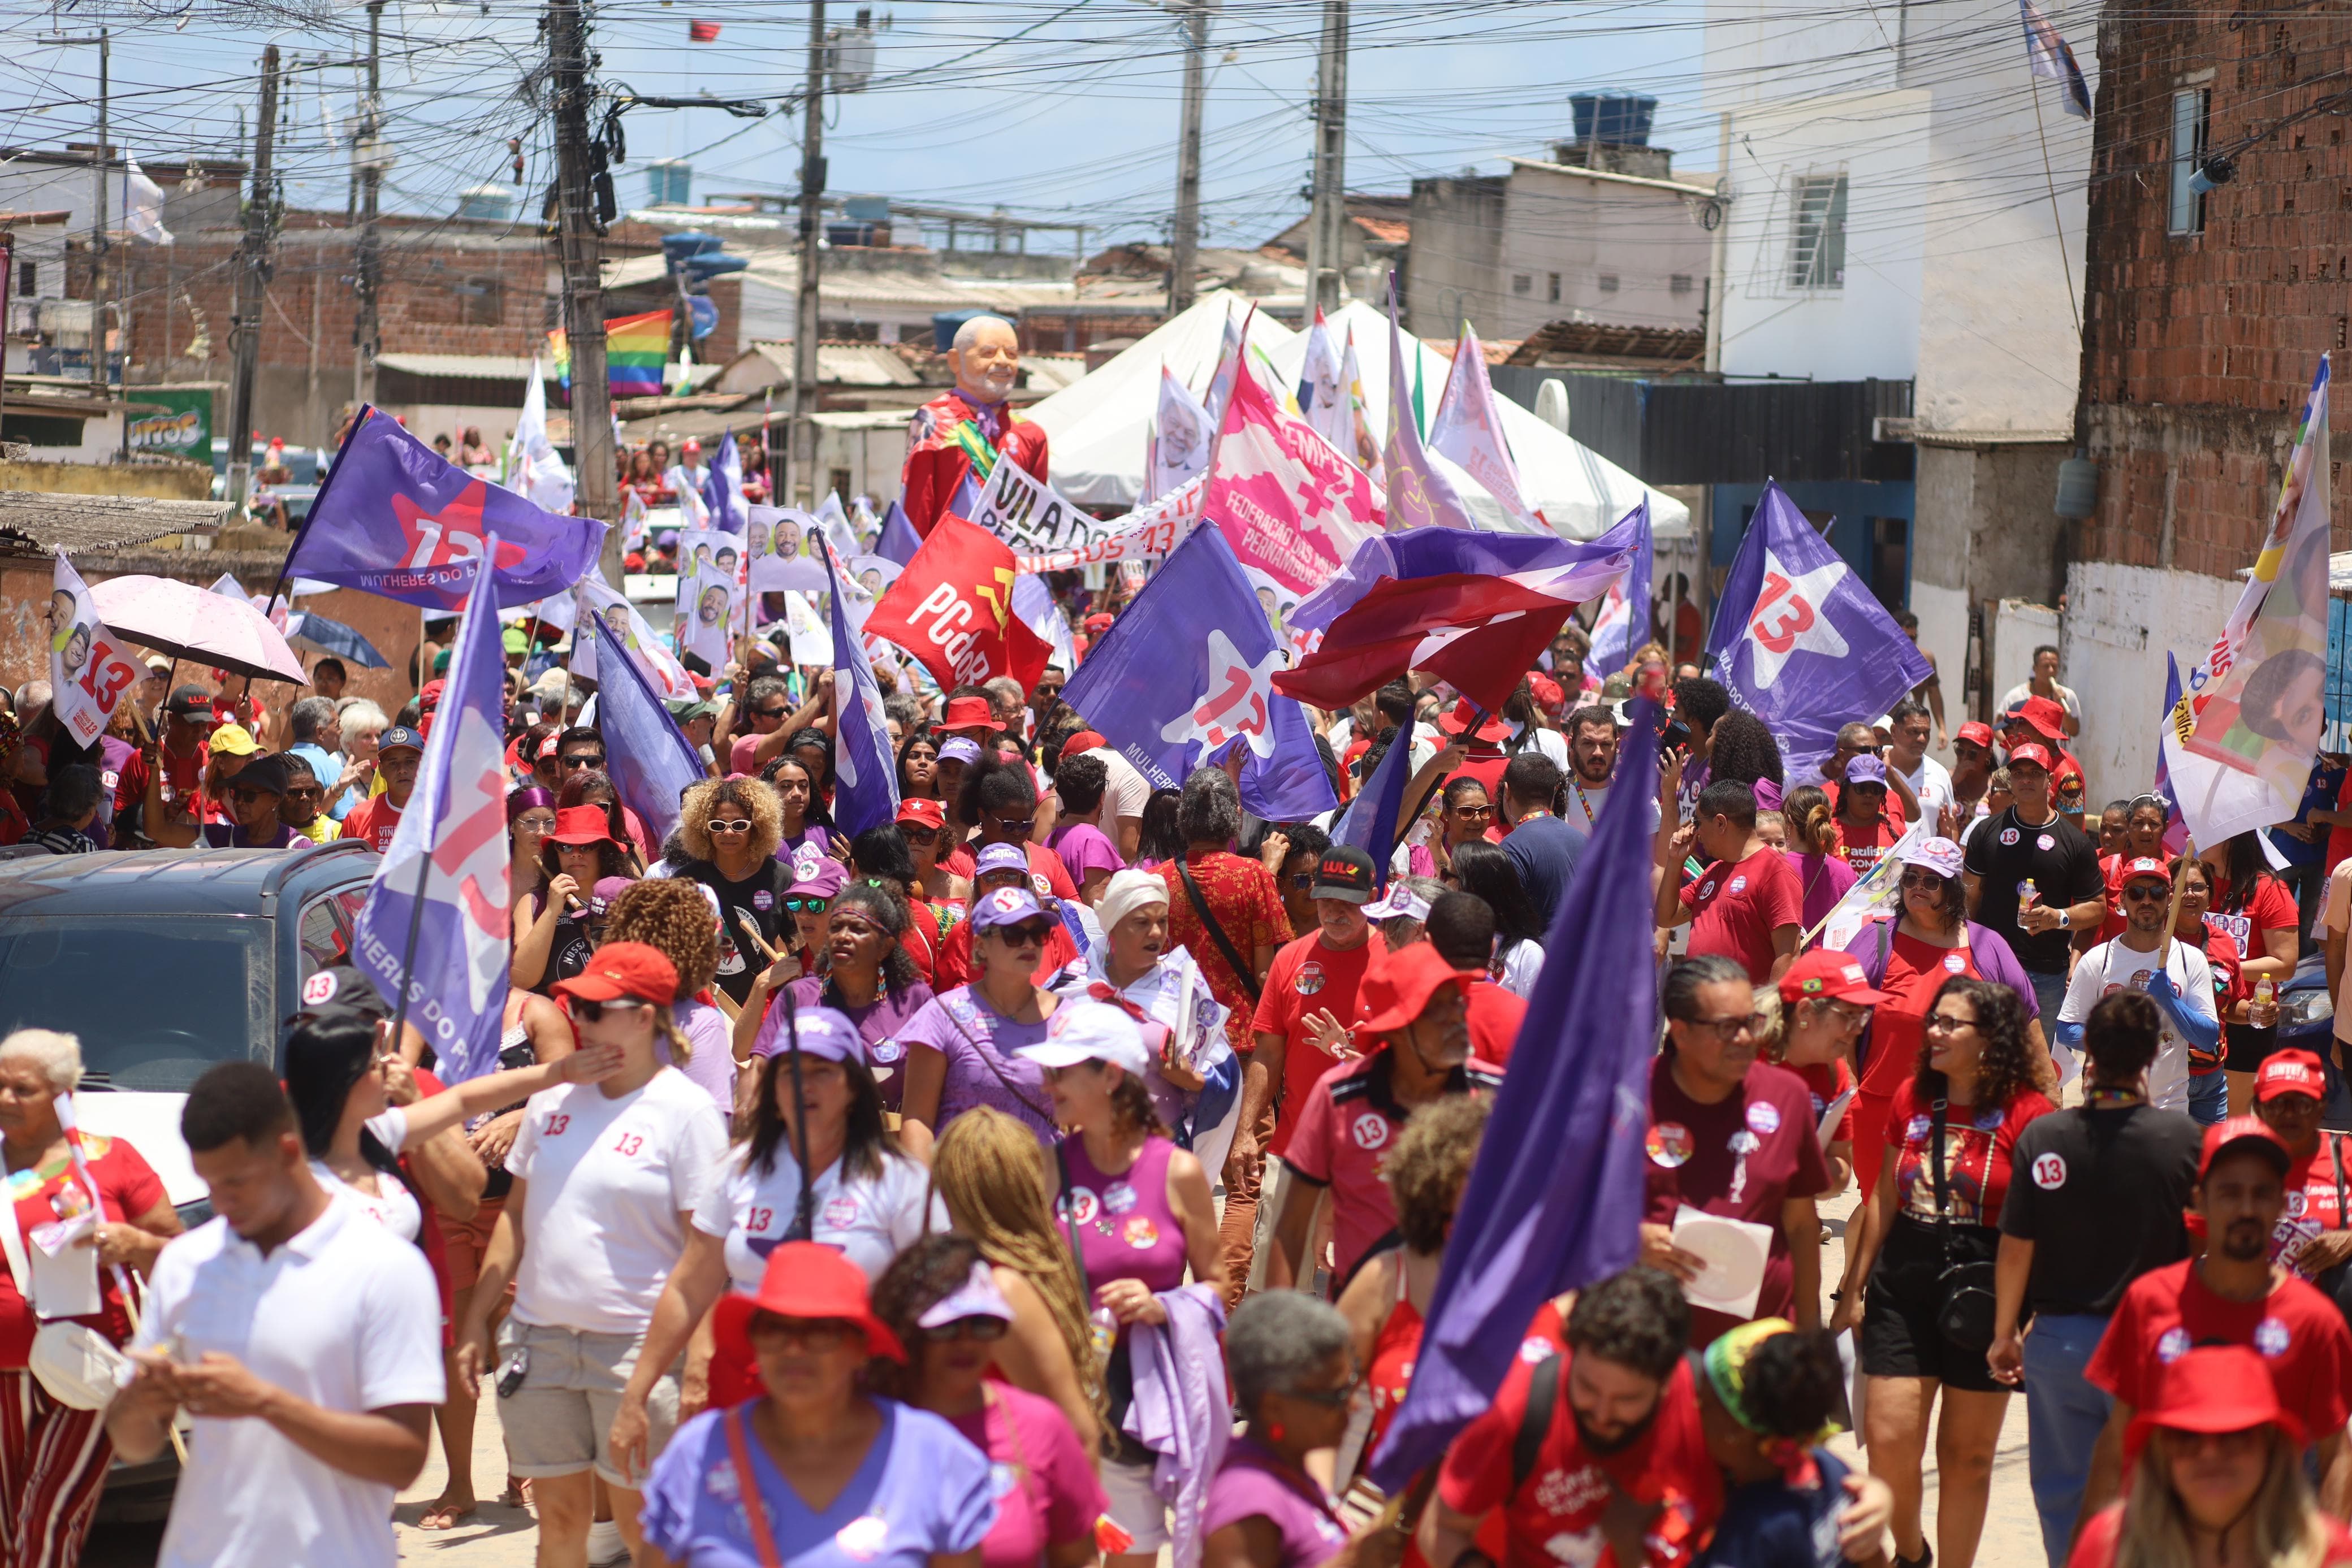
1743,1157
1047,874
2313,1204
1554,1516
1307,977
1862,847
2169,1312
1341,1139
2339,840
374,819
1915,971
1495,1019
2269,907
2231,986
1825,1081
127,1188
181,773
1734,909
1978,1145
2103,1531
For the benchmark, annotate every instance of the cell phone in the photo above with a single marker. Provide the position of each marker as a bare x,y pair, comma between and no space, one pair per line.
1676,733
517,1368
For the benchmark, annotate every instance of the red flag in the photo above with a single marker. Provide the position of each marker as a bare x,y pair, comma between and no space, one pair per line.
702,32
953,609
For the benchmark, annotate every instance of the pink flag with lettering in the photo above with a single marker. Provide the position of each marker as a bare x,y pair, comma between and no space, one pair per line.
1292,509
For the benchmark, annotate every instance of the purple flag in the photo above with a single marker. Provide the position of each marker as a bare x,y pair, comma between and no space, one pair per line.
862,758
396,519
1370,823
899,541
723,487
436,918
1624,623
1799,642
652,764
1186,673
1554,1201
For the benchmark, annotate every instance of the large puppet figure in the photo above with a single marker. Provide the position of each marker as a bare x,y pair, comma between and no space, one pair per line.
965,432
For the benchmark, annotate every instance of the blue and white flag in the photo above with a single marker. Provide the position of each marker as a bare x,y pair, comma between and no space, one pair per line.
1186,673
2048,55
651,762
723,487
1371,823
437,920
862,760
1624,623
1554,1200
1801,642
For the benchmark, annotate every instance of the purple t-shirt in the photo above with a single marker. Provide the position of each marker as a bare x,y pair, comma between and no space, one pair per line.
710,1062
804,850
1046,1493
1251,1482
981,1069
922,1492
1085,848
879,1023
1824,878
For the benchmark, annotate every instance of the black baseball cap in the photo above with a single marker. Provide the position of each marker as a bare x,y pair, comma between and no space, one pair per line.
193,704
1344,872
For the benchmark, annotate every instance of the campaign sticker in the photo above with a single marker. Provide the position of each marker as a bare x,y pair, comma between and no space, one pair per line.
1082,1204
1043,888
1988,1120
886,1050
1139,1233
1119,1198
1706,888
862,1538
1001,1478
2050,1172
2172,1344
1764,1117
319,989
1309,978
1954,963
1534,1350
1669,1143
1916,1129
2271,1337
2046,843
1371,1130
1736,885
762,899
841,1213
2009,835
1744,1142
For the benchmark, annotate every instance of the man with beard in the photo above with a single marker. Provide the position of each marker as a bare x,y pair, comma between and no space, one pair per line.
2175,975
1591,759
966,431
2232,1295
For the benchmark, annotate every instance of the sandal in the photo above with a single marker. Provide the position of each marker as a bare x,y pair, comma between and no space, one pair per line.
517,1493
444,1515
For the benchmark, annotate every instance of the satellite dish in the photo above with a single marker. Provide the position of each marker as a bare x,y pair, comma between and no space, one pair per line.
1551,403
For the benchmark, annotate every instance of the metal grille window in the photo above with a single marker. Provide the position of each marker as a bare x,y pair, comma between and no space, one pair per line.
1555,288
1523,282
1608,283
1817,248
2191,117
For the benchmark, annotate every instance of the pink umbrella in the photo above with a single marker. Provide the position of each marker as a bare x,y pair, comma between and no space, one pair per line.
185,622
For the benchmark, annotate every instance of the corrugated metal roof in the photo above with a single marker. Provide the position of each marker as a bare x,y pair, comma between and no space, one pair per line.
472,366
35,521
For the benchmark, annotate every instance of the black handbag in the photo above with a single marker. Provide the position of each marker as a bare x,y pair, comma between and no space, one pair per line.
1965,1315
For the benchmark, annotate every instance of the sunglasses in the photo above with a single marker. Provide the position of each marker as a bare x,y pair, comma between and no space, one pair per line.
919,836
1034,935
580,760
807,1331
245,796
593,1012
730,824
980,1328
807,905
774,713
1487,810
2140,892
1303,881
1011,824
1921,877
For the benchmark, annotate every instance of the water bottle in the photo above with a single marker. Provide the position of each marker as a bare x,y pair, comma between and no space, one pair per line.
2261,1012
1104,1328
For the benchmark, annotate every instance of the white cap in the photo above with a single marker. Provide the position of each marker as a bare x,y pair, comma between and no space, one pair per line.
977,1297
1090,1031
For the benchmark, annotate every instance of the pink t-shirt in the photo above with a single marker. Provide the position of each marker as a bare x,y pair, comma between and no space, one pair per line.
1046,1493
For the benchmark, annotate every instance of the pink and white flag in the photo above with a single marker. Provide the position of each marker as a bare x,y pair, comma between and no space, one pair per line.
1468,428
1292,507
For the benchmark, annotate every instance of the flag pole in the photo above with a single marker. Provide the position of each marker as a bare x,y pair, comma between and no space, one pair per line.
2049,183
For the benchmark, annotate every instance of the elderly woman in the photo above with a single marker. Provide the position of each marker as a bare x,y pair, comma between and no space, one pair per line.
993,1179
903,1490
672,918
1292,1373
56,1456
942,1300
868,979
963,1049
866,1201
730,828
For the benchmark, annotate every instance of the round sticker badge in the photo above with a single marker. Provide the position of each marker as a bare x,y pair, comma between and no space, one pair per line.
1043,888
1534,1350
762,899
1371,1130
2050,1172
1139,1233
1764,1118
886,1050
1917,1128
1082,1204
1309,978
1737,884
862,1538
1001,1478
1955,964
841,1213
2046,843
2271,1337
2009,835
1669,1143
319,989
2172,1344
1119,1198
1706,888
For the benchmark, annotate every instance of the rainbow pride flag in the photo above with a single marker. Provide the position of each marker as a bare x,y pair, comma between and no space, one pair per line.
635,349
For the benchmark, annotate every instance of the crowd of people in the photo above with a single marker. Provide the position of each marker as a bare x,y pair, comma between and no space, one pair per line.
1062,1172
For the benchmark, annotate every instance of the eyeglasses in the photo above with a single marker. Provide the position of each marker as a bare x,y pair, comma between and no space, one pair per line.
807,905
982,1328
581,759
2143,893
1727,1030
593,1012
918,837
730,824
1031,935
1302,880
1944,1023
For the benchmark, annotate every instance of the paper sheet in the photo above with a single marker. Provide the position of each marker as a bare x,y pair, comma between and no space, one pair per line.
1735,1251
1831,1116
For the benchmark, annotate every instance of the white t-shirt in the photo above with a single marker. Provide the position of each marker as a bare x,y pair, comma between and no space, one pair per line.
1552,744
1125,790
392,1204
2024,689
1932,782
342,1315
1521,965
610,1178
2111,967
870,1220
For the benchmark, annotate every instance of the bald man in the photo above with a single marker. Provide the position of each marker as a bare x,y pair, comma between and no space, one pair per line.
965,432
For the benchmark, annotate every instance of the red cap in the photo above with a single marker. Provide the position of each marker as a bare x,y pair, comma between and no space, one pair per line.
633,561
1464,715
432,692
2030,753
2215,1389
1827,972
2245,1128
1398,985
2046,716
620,969
1546,691
1085,741
1977,731
551,746
967,713
582,825
804,1279
2290,1073
1096,624
928,813
2145,865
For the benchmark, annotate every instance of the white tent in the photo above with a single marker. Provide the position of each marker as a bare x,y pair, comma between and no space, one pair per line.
1098,424
1580,492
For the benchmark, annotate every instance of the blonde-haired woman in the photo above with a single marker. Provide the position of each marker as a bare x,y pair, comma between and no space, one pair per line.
2216,1479
53,1459
992,1176
730,828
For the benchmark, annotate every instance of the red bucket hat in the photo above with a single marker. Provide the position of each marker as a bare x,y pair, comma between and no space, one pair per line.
1398,985
967,713
2214,1389
581,826
1464,715
803,1280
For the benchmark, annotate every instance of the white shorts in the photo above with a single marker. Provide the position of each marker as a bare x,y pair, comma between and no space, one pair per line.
1134,1506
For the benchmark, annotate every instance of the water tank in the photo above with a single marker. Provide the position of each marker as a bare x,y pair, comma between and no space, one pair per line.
944,324
669,181
2078,488
678,246
492,203
1616,119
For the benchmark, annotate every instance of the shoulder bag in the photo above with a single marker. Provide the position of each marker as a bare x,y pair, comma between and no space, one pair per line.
1965,1315
988,1060
1242,971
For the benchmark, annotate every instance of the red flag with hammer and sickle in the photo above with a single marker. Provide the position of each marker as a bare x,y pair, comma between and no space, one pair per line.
953,609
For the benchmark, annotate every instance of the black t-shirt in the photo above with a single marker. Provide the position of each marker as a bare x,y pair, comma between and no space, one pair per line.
568,955
756,903
2057,858
2100,1194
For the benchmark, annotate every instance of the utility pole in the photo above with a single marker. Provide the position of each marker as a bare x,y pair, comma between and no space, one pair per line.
367,333
1184,242
1327,216
805,319
583,286
252,278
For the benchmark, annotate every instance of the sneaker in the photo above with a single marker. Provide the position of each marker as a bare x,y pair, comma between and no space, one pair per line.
605,1546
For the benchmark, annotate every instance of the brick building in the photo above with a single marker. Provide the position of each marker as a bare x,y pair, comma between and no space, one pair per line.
2206,311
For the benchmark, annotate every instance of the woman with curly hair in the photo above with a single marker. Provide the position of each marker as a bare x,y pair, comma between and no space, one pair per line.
670,917
730,828
1951,1134
993,1179
1739,747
